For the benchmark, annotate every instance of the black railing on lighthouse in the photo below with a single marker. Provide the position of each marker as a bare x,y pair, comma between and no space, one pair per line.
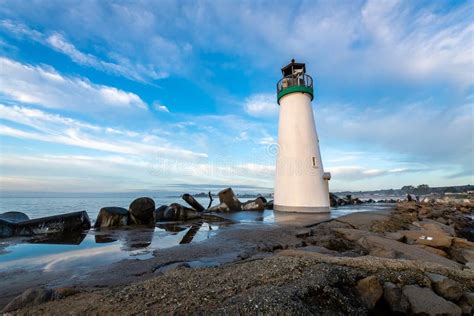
302,80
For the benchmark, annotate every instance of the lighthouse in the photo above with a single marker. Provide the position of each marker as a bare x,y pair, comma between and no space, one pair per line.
301,185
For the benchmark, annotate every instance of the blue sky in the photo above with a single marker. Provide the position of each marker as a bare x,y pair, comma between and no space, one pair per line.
105,96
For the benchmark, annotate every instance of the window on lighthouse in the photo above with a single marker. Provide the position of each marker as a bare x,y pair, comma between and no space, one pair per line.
313,159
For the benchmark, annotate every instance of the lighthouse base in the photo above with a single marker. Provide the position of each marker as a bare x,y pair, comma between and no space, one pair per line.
301,209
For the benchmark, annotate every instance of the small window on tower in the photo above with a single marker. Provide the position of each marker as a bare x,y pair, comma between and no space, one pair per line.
313,159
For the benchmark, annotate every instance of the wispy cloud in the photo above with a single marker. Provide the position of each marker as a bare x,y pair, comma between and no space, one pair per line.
124,67
44,86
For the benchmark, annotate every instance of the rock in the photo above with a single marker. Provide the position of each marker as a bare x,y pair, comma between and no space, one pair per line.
188,198
30,297
428,224
111,217
436,251
333,200
370,241
432,238
462,250
254,205
369,290
363,220
142,211
445,287
14,217
228,197
177,212
57,224
160,212
63,292
6,229
171,267
394,236
424,301
395,299
470,265
269,205
383,253
222,207
469,297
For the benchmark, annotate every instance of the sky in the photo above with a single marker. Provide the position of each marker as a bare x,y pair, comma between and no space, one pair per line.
119,96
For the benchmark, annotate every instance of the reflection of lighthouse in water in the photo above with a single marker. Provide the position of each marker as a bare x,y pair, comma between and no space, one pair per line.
301,185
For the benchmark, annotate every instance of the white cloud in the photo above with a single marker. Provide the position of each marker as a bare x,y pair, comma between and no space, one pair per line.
160,107
44,86
261,105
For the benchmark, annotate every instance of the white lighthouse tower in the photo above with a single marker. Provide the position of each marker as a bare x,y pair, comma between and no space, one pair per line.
301,185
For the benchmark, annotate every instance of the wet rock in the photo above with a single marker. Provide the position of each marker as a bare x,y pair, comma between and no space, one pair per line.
333,200
57,224
111,217
445,287
30,297
395,299
142,211
222,207
63,292
369,290
254,205
177,212
228,197
6,229
424,301
14,217
188,198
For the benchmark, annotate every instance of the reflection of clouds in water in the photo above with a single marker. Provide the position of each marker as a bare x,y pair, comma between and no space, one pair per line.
90,254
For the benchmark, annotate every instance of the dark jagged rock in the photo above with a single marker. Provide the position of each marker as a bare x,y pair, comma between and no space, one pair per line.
56,224
445,287
111,217
254,205
188,198
395,299
142,211
369,290
177,212
14,217
228,197
269,205
159,212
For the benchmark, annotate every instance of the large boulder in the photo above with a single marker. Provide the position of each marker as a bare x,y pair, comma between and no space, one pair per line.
447,288
14,217
423,301
6,229
254,205
142,211
57,224
228,197
462,250
395,299
269,205
177,212
111,217
369,290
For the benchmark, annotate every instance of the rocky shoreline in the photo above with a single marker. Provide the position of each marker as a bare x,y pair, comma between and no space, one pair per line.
417,258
